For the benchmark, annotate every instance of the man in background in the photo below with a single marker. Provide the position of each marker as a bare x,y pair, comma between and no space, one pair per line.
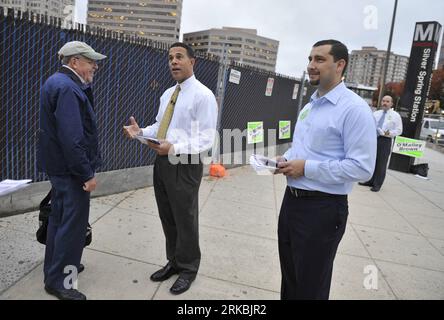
389,126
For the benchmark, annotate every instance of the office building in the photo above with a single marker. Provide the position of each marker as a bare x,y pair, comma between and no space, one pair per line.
157,20
235,44
55,8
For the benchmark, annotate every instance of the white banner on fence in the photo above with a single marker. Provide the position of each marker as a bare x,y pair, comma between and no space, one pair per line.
295,91
235,76
269,90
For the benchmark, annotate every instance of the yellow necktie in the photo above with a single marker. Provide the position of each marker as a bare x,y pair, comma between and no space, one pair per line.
168,115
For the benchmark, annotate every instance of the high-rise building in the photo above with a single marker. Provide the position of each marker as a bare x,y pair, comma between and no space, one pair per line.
235,44
54,8
367,65
158,20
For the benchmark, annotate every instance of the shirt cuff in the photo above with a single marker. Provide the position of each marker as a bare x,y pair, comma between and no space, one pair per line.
287,155
311,169
145,132
87,178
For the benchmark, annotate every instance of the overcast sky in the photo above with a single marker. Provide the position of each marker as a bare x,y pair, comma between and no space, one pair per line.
298,24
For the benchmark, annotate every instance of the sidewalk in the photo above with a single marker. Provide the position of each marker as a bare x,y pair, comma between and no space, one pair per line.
400,230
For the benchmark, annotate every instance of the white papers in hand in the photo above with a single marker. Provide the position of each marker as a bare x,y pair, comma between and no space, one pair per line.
8,186
261,164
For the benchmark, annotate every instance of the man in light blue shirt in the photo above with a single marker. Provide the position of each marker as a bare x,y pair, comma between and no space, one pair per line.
334,146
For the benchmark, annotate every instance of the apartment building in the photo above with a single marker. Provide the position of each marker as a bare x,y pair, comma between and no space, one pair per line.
366,67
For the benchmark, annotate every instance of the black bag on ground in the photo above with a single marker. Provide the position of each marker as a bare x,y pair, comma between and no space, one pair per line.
420,169
45,212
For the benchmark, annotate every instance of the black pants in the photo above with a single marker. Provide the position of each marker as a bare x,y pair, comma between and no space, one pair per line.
176,187
382,157
309,232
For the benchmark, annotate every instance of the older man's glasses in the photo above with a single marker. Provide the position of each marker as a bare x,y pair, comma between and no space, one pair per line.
89,61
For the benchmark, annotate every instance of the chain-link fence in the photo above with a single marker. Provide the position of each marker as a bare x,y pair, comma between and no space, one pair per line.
252,95
129,83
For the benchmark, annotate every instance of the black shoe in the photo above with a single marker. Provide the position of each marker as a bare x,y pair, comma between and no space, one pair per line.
80,268
65,294
374,189
164,273
181,285
365,184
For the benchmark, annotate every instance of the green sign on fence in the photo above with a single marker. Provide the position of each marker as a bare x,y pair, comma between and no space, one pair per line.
255,132
284,130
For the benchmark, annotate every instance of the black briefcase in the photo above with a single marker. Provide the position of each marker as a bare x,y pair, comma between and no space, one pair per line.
45,212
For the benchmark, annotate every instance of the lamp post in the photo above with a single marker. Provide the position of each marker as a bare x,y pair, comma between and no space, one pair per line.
387,57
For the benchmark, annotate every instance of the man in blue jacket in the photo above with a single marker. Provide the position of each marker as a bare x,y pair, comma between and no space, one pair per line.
69,154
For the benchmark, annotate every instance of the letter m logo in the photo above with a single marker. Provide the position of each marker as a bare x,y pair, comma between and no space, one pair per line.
427,32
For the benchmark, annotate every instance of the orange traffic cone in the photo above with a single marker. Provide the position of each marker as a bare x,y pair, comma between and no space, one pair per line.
217,170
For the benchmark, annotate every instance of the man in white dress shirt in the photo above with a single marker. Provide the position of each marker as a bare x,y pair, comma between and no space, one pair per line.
185,126
388,126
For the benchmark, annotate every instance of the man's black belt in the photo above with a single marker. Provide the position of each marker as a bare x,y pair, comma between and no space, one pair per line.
299,193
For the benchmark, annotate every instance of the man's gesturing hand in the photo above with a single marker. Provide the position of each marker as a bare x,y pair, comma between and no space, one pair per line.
132,130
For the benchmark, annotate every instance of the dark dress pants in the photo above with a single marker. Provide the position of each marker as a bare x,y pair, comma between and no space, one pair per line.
176,187
383,153
66,229
309,232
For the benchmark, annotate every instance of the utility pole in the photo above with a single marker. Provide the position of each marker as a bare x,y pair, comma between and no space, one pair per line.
387,57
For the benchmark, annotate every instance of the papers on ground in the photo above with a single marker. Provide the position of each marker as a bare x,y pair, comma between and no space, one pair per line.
8,186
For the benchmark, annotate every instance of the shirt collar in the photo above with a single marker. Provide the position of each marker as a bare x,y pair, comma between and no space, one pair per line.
187,83
80,78
333,95
73,76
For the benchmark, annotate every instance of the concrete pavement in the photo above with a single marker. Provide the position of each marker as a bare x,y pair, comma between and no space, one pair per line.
399,232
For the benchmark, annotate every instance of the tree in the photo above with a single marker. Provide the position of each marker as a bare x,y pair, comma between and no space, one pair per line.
437,86
394,89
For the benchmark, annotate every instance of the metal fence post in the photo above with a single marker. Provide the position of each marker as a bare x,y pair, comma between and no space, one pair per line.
301,93
221,85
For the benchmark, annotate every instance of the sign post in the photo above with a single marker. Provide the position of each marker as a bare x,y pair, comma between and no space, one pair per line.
417,86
